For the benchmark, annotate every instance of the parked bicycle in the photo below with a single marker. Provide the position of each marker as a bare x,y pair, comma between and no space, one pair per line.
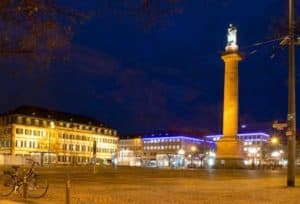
29,183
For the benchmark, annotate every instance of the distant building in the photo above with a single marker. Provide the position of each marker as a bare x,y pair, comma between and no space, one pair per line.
165,149
130,151
255,146
298,151
55,137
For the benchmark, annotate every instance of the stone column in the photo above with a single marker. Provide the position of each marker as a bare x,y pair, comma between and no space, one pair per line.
231,89
229,148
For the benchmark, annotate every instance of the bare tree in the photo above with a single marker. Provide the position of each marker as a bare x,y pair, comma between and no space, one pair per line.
37,29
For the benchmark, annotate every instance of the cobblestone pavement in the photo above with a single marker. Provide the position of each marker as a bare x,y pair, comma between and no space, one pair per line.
144,186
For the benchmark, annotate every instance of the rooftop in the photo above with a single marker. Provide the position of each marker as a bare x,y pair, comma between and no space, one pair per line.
40,112
173,133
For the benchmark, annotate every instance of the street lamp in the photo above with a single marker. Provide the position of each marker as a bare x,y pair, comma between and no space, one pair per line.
291,117
52,126
193,149
274,140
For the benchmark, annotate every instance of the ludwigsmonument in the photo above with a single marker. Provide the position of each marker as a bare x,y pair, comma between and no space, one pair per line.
229,148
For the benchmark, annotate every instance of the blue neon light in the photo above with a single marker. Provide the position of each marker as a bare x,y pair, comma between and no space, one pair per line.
241,135
173,137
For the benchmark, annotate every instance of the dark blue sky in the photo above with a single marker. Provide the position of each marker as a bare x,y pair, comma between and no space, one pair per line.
164,77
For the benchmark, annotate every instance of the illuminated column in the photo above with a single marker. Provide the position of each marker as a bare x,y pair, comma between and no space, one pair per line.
229,148
13,140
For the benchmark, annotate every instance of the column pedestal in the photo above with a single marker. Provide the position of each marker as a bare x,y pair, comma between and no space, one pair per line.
230,154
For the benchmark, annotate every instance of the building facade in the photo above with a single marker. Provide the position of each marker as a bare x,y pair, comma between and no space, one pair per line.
130,151
165,149
255,146
55,137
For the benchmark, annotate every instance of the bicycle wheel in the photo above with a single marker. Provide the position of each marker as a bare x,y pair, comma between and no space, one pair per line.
8,185
37,187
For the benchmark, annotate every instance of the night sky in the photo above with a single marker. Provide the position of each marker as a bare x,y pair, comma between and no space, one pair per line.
139,78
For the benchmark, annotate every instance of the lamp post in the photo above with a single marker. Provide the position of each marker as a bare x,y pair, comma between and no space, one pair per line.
181,153
193,149
291,117
52,126
274,140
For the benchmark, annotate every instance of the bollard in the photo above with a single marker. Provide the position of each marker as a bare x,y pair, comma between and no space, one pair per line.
68,187
25,187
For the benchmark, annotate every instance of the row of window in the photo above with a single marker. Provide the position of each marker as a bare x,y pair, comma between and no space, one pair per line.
161,140
253,143
4,131
87,138
73,159
26,131
162,147
52,124
251,137
4,143
22,131
84,148
79,148
26,144
171,140
105,150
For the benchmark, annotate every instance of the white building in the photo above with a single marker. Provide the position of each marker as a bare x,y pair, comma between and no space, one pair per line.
55,137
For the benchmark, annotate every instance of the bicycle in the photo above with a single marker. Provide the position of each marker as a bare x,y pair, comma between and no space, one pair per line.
35,187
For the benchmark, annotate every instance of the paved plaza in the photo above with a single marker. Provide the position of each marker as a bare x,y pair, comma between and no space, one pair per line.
139,185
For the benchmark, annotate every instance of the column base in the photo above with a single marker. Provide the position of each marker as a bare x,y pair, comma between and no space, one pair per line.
229,163
291,183
229,153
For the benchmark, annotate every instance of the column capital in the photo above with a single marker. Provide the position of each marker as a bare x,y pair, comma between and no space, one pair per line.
232,56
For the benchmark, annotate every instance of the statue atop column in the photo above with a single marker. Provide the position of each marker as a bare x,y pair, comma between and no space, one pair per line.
231,39
229,149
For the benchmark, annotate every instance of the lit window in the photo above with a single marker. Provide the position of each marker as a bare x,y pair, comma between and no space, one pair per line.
27,132
19,131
